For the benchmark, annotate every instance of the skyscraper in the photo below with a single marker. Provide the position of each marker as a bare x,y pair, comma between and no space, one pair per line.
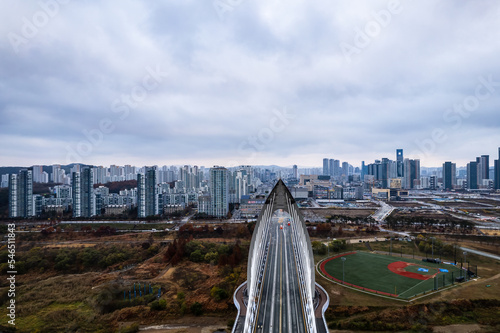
21,194
55,175
497,172
141,195
150,192
295,172
485,167
76,192
12,195
399,163
472,175
87,191
219,191
326,170
82,188
449,175
411,173
25,193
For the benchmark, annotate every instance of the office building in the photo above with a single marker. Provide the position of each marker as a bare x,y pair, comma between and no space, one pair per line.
485,167
449,175
326,167
399,163
496,184
473,171
219,191
411,173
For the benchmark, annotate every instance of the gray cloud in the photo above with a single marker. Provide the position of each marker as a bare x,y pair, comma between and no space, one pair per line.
225,77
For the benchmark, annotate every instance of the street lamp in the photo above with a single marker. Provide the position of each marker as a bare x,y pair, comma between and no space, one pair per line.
343,275
465,263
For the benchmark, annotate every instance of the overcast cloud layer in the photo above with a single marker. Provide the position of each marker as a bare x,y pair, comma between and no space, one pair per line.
248,82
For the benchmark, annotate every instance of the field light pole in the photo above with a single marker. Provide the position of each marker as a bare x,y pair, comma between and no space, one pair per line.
432,247
343,275
465,263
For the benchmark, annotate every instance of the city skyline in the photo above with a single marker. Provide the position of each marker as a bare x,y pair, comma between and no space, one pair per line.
248,83
394,155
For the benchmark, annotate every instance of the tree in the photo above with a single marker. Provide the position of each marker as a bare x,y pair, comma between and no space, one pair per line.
196,309
196,256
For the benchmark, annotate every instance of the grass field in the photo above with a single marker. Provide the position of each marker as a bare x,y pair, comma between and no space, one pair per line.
389,275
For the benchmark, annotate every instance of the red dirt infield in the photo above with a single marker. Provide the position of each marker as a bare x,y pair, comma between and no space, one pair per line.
398,267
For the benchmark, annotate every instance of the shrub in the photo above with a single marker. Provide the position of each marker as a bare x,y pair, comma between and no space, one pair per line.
158,305
196,309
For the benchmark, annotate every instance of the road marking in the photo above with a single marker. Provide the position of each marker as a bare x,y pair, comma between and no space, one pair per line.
300,294
261,287
287,285
274,280
281,283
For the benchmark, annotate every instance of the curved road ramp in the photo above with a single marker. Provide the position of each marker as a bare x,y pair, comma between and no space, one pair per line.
280,294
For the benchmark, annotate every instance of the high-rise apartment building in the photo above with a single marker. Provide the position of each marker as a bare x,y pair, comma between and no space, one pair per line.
295,172
141,195
449,175
76,192
219,191
82,190
13,195
87,188
151,195
21,194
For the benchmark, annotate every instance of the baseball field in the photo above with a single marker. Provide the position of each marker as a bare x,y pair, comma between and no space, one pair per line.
387,275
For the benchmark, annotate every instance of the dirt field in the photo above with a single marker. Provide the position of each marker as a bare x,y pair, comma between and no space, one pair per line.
352,213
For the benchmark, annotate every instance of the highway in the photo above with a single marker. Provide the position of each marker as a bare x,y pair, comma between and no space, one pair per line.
280,307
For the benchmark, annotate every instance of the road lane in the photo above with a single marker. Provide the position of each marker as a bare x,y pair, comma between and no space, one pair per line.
280,306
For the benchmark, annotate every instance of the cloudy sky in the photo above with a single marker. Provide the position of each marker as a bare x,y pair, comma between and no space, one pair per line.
232,82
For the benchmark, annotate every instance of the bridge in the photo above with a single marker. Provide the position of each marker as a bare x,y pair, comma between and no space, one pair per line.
280,294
